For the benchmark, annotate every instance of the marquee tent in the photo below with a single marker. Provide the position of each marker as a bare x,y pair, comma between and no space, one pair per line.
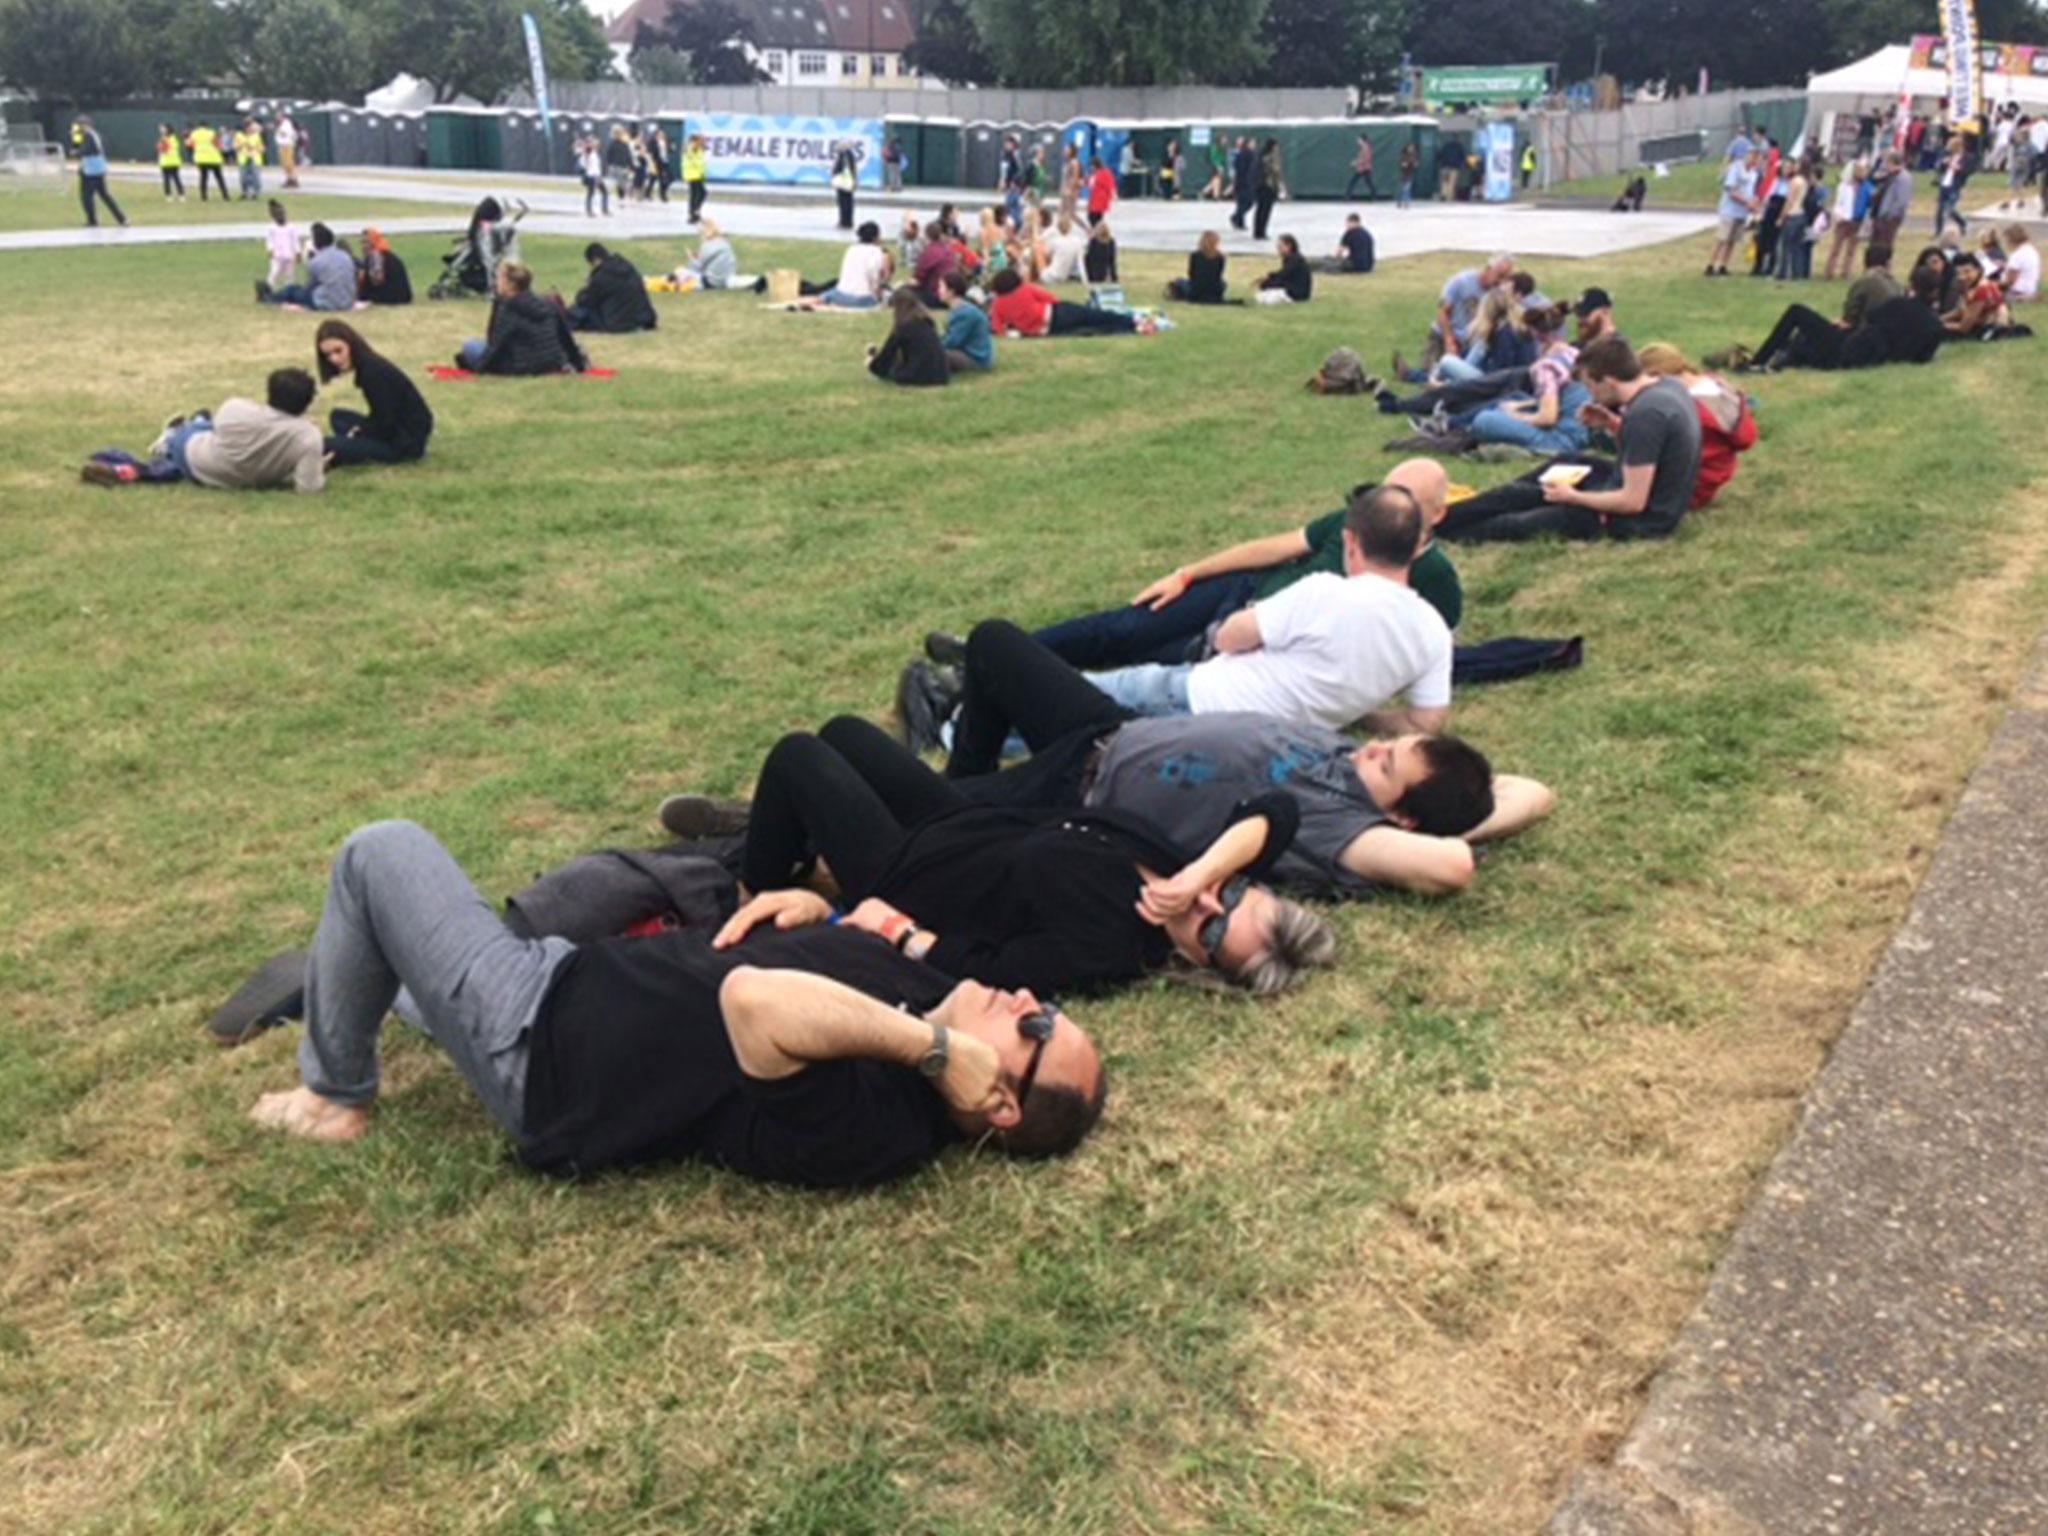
1873,83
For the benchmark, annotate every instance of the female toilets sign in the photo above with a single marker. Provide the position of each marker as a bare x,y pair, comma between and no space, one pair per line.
739,147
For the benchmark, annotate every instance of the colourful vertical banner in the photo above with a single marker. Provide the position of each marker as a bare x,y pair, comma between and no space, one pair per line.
539,65
1965,68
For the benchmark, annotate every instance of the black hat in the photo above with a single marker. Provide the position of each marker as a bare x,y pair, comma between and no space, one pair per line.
1590,300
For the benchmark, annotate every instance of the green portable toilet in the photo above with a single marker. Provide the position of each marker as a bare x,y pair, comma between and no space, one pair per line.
488,142
936,158
451,140
317,124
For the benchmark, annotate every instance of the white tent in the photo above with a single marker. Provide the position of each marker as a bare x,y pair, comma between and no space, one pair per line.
1872,83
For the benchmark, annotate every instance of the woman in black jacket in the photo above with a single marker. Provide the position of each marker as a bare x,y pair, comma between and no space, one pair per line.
399,423
913,354
1099,260
384,278
1053,899
1292,278
1204,283
527,334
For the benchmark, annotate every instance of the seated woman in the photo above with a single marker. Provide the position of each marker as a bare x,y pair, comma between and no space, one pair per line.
969,341
913,353
527,335
1935,260
1025,309
1068,254
1500,339
716,264
1099,262
1727,429
1549,422
399,422
1980,313
384,278
910,243
1204,283
864,273
1292,281
1041,897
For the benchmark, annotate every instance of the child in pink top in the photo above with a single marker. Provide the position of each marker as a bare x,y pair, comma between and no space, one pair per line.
283,242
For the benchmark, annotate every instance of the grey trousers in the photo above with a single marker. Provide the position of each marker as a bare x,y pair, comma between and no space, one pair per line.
400,913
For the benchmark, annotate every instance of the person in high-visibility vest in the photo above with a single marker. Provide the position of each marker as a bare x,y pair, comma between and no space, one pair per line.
1528,164
204,143
694,167
249,159
170,162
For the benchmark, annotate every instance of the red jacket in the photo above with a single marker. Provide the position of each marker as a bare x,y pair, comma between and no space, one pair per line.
1724,433
1101,192
1026,310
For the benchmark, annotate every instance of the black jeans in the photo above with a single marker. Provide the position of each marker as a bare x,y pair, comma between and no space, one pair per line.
845,208
1371,192
220,174
1242,205
1129,636
1464,395
697,190
1268,196
848,794
1083,320
1804,338
1014,683
1517,510
90,187
174,180
349,449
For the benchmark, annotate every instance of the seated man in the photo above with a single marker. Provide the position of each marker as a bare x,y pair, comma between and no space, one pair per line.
330,278
1329,648
1043,898
817,1057
1459,304
241,447
615,299
1643,495
1354,253
1400,813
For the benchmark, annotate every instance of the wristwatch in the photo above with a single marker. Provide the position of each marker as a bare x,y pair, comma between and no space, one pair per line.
933,1062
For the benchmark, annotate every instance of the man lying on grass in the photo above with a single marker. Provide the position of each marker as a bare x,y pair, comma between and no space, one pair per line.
1021,895
818,1055
1335,641
241,447
1400,813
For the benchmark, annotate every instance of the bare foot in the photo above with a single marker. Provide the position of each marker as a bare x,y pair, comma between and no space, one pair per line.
302,1112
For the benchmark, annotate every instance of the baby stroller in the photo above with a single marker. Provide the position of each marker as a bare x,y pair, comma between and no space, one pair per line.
470,269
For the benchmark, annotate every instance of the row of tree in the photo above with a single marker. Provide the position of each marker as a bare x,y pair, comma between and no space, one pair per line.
323,50
339,49
1061,43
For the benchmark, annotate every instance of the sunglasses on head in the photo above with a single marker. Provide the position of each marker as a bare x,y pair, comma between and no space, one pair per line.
1210,935
1036,1026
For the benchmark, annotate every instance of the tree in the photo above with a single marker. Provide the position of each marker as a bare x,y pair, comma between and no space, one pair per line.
1331,42
70,50
1063,43
1738,42
949,46
700,43
1859,27
1512,32
477,47
311,49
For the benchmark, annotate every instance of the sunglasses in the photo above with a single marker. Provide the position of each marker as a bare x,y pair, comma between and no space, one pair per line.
1211,934
1035,1026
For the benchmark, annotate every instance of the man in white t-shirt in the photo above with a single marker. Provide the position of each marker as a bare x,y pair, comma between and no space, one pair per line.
286,137
1329,650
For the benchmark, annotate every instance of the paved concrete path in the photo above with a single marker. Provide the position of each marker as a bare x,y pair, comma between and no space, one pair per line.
1872,1356
799,214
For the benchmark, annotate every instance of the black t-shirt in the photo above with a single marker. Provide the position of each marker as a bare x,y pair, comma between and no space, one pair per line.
630,1063
1358,250
1205,278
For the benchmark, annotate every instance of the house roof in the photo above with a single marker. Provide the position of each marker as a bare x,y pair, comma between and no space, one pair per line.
847,26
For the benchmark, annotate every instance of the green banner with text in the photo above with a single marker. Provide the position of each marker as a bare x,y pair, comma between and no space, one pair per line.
1499,82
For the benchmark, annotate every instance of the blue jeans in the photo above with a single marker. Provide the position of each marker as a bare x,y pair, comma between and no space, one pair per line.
1945,209
840,300
1455,370
292,293
252,179
1123,637
179,437
1147,689
400,913
1495,425
473,354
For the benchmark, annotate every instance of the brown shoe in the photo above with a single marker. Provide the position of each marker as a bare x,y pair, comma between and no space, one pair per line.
693,818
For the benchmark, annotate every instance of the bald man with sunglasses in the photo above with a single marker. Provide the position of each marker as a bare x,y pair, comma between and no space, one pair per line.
807,1052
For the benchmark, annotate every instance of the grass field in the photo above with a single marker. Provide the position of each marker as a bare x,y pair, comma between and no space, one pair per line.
1388,1256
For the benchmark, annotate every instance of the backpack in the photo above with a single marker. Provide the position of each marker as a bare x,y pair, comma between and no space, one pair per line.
1341,374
